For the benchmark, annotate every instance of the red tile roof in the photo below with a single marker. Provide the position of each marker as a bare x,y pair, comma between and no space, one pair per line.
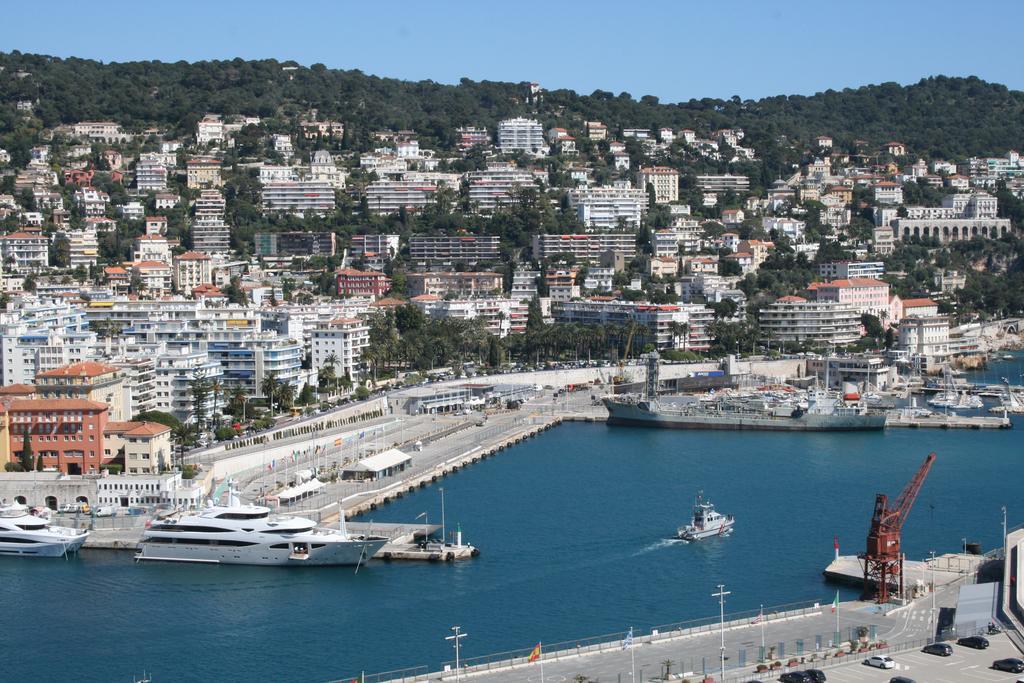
56,404
88,368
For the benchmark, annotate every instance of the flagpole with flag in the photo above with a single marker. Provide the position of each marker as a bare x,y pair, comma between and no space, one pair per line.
535,656
835,610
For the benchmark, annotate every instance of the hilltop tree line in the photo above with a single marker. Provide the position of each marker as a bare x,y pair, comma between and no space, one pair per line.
938,117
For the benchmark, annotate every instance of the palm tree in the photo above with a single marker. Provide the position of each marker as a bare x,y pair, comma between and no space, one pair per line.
666,668
331,360
269,388
286,394
216,388
239,399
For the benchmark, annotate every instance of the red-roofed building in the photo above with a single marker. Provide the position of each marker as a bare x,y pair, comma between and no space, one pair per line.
118,278
64,433
140,447
919,308
88,380
352,282
191,269
866,295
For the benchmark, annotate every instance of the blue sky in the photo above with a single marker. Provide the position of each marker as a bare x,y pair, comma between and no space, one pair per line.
674,50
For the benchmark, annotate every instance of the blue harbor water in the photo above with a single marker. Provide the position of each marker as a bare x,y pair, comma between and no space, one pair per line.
575,530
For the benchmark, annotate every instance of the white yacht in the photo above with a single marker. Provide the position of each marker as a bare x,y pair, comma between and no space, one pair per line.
953,396
23,533
706,522
250,534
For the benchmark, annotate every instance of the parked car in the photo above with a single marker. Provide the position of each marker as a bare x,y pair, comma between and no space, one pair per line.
977,642
881,662
816,675
901,679
1011,664
795,677
939,649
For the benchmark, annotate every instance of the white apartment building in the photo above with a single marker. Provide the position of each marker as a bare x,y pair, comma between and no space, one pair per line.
210,234
150,173
495,185
521,134
586,248
671,242
83,247
152,489
247,357
795,319
152,248
609,208
270,173
283,145
298,197
190,270
500,316
723,183
91,202
209,129
524,284
663,179
469,249
887,192
25,252
176,372
925,336
342,338
667,326
390,196
599,279
845,270
786,227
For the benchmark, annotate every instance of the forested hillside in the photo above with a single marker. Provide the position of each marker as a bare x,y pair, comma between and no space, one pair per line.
938,117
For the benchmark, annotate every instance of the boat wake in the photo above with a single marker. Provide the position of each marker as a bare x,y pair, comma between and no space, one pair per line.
658,545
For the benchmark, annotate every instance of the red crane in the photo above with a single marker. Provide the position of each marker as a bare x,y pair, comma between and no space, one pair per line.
883,559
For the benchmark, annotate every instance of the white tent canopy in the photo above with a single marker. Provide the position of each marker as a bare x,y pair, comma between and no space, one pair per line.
296,493
380,465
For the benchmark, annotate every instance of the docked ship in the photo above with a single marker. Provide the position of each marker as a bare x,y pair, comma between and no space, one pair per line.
22,533
824,412
706,522
251,534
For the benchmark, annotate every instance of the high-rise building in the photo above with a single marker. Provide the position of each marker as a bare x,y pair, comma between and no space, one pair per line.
521,135
210,234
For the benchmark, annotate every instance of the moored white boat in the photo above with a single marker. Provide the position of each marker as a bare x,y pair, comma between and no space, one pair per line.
250,534
25,534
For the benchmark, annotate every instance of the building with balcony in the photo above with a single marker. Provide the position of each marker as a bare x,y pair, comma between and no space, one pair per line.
143,447
448,250
352,282
822,323
89,380
587,248
299,197
461,284
667,326
191,270
609,208
391,196
341,340
25,252
663,179
203,173
521,135
292,244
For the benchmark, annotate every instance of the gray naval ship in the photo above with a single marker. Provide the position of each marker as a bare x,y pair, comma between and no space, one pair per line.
825,412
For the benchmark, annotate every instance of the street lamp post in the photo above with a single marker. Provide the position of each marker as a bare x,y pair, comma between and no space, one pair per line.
444,535
1004,526
457,636
721,617
964,541
426,526
931,614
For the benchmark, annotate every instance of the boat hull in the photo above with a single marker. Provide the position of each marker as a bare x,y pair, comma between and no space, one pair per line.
692,535
43,548
320,553
633,415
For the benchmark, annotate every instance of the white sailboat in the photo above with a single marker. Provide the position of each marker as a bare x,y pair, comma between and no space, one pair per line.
1012,402
951,397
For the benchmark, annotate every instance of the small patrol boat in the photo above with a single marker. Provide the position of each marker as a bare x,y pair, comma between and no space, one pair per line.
706,522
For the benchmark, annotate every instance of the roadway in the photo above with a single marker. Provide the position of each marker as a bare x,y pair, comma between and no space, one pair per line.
699,653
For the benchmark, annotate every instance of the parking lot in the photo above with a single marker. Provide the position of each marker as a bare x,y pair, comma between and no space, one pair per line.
963,666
